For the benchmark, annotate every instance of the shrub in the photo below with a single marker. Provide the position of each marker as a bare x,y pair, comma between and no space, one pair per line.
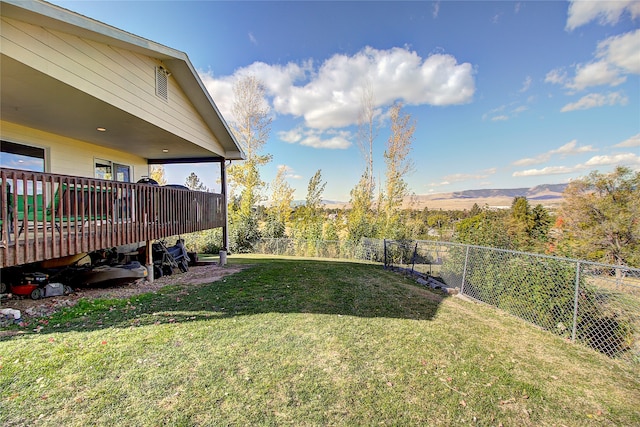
243,234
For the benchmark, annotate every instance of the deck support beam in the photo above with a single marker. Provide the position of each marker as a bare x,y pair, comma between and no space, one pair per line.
149,261
223,191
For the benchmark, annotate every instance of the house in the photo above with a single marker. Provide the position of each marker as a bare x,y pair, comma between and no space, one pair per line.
87,109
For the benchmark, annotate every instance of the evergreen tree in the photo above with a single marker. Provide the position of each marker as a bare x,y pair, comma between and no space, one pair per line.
542,221
520,224
475,210
193,183
484,229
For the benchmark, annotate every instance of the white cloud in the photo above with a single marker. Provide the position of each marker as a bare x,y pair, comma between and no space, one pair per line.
623,51
526,84
634,141
557,76
330,139
458,177
572,148
527,161
289,172
582,12
329,96
332,98
490,171
291,136
596,74
594,100
436,9
252,39
549,170
317,141
494,113
569,149
615,57
627,159
506,112
277,79
616,159
221,90
517,7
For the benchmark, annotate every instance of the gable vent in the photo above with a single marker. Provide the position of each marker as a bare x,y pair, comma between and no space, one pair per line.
161,83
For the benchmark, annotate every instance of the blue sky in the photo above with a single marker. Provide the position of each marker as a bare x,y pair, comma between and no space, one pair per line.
504,94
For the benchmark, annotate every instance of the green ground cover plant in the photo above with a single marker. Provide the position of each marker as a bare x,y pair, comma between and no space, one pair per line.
304,342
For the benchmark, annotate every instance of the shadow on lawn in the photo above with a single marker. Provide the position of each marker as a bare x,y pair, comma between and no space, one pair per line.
270,286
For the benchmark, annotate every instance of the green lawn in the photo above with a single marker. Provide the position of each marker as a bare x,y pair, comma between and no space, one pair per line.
305,342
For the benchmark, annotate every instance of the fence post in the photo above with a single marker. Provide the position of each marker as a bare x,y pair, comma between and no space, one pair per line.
464,272
575,303
385,253
413,258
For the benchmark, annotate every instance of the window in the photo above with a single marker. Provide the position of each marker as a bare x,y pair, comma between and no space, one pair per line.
19,156
105,169
123,173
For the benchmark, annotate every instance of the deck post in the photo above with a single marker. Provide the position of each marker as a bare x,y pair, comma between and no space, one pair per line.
225,229
149,261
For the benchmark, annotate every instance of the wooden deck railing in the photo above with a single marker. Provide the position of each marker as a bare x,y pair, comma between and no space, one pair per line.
45,216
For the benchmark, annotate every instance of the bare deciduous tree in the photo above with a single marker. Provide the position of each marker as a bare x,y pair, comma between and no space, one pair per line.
251,126
398,165
367,132
157,174
361,216
600,217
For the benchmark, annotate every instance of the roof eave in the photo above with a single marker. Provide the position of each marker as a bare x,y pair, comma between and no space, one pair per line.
58,18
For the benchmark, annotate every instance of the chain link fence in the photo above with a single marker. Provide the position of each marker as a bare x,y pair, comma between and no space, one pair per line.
597,305
371,250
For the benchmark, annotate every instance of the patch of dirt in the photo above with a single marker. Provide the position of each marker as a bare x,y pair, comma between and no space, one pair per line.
196,275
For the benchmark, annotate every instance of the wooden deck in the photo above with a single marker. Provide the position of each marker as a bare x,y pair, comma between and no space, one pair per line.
46,216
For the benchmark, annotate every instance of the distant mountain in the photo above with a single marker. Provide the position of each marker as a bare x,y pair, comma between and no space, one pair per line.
545,194
332,203
539,192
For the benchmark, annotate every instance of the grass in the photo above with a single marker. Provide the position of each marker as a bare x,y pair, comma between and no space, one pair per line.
302,342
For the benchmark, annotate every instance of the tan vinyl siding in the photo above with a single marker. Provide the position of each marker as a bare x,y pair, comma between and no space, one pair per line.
120,77
68,156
